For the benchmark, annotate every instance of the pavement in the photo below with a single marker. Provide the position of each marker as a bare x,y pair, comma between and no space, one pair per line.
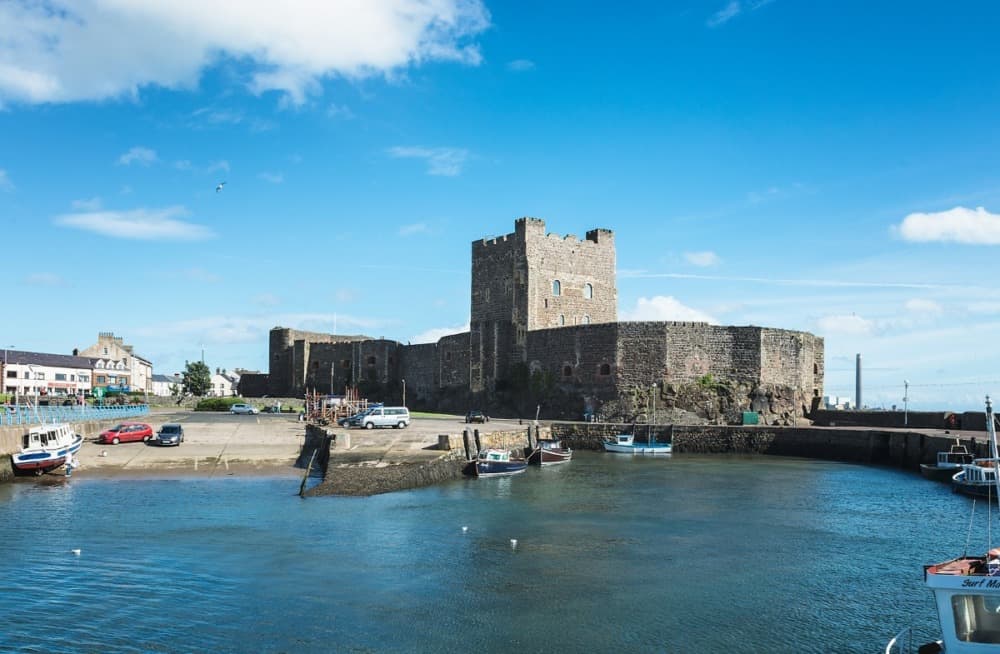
221,444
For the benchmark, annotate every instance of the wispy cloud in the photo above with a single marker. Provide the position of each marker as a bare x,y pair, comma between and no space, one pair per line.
273,178
217,166
924,307
415,228
5,183
138,224
821,283
358,40
138,155
520,65
90,204
668,308
733,9
852,324
201,276
446,162
44,279
248,329
266,300
436,333
958,225
704,259
339,111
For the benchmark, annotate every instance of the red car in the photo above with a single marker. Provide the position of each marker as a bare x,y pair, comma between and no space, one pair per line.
127,431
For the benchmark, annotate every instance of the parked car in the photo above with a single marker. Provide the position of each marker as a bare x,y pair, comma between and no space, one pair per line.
396,417
125,432
170,433
475,415
247,409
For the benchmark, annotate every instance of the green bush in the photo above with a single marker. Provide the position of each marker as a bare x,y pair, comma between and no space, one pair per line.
218,403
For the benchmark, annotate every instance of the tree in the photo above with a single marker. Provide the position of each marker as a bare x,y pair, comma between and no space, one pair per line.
197,378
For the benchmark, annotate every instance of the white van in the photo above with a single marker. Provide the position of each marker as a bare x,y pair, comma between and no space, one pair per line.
386,416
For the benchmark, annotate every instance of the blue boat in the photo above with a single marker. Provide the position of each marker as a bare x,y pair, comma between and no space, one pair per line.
498,463
46,447
625,444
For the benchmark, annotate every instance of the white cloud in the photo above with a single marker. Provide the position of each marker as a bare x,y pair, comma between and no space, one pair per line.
90,204
520,65
71,50
5,183
44,279
273,178
924,307
218,165
984,307
440,161
845,324
345,295
339,111
415,228
958,225
668,308
727,13
183,164
266,300
433,335
248,329
703,259
138,154
734,9
138,224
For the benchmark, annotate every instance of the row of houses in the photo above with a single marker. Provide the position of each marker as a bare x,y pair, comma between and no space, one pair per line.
105,367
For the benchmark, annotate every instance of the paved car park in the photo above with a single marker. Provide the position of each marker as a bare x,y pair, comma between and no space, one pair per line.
217,444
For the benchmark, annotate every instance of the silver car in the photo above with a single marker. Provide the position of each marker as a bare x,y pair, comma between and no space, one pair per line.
246,409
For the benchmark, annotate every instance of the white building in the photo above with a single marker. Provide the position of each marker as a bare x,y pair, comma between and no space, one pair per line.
224,384
163,385
38,375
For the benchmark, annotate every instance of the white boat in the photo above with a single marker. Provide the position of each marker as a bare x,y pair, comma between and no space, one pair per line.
46,447
966,592
625,444
948,463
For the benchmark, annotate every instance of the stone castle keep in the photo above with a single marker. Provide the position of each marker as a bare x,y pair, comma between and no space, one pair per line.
544,328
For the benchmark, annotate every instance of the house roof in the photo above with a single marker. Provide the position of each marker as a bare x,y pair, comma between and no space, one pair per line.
19,357
169,379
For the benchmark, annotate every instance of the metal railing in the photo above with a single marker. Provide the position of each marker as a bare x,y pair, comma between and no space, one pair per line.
26,415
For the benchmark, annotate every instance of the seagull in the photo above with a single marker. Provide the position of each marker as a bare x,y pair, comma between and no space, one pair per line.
219,187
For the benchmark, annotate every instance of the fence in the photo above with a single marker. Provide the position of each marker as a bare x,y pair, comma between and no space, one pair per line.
25,415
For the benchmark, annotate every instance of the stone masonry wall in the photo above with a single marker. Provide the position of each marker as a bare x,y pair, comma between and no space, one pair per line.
418,366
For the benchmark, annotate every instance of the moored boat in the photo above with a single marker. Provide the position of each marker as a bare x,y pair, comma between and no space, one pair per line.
625,444
550,452
967,588
948,463
46,447
498,463
977,479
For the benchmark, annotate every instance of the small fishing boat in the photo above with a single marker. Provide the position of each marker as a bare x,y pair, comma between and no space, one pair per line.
977,479
948,463
498,463
966,589
550,452
46,447
625,444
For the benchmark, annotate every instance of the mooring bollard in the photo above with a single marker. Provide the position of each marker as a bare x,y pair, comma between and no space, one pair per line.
444,442
531,445
475,434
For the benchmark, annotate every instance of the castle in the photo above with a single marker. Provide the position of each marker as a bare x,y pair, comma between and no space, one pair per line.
544,315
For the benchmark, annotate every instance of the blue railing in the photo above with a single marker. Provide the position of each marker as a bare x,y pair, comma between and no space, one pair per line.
26,415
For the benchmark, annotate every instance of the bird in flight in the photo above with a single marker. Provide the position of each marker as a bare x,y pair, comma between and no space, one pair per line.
219,187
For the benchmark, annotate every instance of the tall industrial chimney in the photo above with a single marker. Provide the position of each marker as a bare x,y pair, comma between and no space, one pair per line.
857,384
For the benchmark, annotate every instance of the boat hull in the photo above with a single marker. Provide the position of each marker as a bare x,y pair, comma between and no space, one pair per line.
937,473
550,453
500,468
46,459
655,448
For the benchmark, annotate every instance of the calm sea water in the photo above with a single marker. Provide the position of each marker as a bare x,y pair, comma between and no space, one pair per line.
613,554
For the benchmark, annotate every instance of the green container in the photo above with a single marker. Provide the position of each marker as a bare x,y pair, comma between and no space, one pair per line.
750,418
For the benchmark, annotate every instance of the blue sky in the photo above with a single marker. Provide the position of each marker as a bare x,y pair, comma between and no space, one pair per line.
824,166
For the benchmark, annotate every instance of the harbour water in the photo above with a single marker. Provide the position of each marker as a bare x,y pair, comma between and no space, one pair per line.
613,554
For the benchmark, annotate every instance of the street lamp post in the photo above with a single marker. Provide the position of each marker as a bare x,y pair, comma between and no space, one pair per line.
906,401
404,391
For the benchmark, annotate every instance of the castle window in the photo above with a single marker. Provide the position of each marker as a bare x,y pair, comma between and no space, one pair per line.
371,361
815,369
345,363
567,371
447,356
556,288
605,369
586,319
486,294
562,320
315,365
546,303
588,291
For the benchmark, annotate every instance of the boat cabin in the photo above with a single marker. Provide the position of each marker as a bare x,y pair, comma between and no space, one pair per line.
42,438
623,439
967,595
495,455
954,457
